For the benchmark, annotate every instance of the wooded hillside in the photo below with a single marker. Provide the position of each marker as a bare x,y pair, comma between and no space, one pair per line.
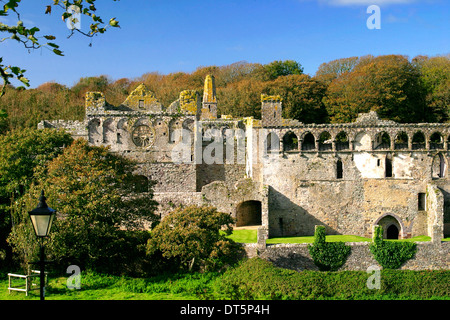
398,88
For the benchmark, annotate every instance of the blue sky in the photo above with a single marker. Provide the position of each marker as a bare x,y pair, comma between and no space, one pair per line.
168,36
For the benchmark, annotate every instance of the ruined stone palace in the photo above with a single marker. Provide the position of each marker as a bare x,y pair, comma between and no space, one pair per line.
279,174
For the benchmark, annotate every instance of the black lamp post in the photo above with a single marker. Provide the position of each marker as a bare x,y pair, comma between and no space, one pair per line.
41,218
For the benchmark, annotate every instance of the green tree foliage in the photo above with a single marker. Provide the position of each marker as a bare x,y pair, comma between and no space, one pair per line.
91,189
4,124
435,76
22,152
302,97
278,68
30,37
327,256
390,254
192,237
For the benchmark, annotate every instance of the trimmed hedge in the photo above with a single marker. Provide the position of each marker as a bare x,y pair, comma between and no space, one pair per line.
258,279
327,256
389,254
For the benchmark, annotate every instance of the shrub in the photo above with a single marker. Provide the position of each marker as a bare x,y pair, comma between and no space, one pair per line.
191,237
327,256
257,279
389,254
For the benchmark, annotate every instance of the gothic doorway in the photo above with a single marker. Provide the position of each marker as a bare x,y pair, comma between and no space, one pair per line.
392,226
248,213
392,232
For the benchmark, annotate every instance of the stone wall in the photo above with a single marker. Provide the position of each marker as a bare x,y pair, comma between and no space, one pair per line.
429,256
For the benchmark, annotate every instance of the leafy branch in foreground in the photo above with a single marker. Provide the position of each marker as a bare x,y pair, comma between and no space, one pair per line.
29,36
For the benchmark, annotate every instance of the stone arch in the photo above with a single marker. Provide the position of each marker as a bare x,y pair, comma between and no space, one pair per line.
95,135
436,141
401,141
438,166
308,141
325,142
108,131
393,224
418,140
362,142
272,142
249,213
382,141
290,141
342,142
175,126
121,130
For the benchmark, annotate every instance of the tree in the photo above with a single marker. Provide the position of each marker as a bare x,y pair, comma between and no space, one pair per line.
435,77
302,97
387,84
92,191
22,152
30,38
192,236
280,68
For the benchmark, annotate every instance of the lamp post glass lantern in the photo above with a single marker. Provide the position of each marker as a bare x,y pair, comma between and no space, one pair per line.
42,218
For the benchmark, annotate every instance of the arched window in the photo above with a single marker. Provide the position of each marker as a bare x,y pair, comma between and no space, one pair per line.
325,141
436,141
418,141
382,141
342,141
401,141
309,142
290,141
272,143
438,166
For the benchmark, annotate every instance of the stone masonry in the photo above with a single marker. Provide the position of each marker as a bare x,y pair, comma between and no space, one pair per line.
279,174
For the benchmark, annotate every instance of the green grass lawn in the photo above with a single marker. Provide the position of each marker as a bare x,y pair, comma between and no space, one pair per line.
251,279
249,236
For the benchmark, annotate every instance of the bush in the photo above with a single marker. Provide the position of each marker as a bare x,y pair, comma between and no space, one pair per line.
327,256
191,237
391,255
257,279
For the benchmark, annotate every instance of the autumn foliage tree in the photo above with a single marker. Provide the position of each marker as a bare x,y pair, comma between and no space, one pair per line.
388,84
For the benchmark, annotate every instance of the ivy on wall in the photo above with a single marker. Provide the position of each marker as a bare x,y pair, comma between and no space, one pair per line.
390,254
327,256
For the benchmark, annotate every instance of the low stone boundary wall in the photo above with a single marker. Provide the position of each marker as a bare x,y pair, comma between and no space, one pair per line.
429,256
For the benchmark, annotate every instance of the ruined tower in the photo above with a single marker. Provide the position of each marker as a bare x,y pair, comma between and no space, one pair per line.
271,110
209,105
